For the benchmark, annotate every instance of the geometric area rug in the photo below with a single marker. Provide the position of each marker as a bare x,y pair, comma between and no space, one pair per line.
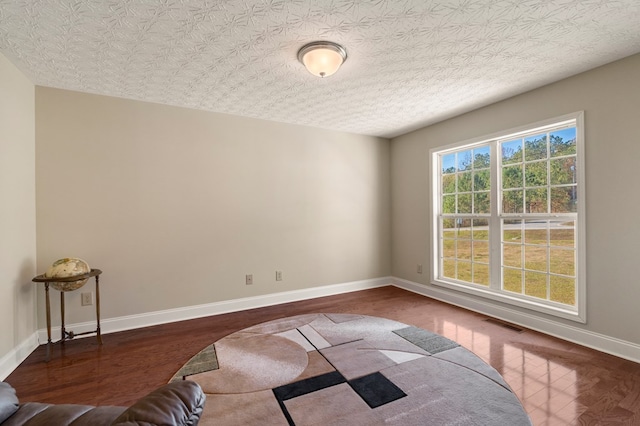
344,369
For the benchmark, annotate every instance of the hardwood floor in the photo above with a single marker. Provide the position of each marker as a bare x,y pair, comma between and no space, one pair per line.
559,383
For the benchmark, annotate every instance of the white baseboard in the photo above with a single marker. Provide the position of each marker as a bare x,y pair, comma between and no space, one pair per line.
10,361
600,342
129,322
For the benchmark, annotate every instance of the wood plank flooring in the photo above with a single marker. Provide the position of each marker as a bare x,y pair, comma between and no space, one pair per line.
559,383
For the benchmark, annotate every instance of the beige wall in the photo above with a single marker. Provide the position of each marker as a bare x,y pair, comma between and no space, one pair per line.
610,97
17,209
177,205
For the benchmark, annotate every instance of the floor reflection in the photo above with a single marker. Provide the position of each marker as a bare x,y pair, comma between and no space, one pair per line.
558,383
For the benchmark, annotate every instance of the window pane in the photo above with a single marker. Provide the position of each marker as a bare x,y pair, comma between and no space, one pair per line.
512,151
464,271
535,174
482,157
535,232
449,248
448,184
562,290
464,228
535,258
564,199
464,161
449,163
464,182
448,228
464,249
449,268
512,280
563,142
563,170
512,255
481,251
480,229
481,202
464,203
535,284
562,261
512,177
482,180
561,234
512,201
449,204
535,147
481,274
512,231
536,200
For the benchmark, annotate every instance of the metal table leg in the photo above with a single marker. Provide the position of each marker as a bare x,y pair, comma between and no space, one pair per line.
48,304
98,310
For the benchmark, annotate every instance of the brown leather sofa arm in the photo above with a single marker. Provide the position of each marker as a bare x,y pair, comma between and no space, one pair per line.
177,403
39,414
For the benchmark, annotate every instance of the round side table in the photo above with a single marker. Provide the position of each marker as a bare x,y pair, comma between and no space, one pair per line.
64,334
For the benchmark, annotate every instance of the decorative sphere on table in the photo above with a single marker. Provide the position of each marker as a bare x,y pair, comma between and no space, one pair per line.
68,267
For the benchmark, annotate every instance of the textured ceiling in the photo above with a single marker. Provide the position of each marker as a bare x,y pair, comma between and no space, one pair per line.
411,62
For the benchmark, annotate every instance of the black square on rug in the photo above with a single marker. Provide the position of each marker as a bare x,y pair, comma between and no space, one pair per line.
376,390
303,387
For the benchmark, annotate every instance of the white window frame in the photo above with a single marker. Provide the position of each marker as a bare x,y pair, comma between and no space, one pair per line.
493,291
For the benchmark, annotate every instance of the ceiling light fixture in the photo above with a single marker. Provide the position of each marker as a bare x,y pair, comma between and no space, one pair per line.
322,58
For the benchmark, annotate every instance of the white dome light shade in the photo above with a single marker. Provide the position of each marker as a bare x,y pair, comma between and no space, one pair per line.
322,58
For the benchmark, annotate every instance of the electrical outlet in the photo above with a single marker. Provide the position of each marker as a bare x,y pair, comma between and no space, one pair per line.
87,299
419,268
278,275
249,279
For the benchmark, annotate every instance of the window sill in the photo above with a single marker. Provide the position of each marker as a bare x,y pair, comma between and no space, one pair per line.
522,302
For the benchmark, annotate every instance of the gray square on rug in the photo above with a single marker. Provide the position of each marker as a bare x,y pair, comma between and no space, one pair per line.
430,342
205,360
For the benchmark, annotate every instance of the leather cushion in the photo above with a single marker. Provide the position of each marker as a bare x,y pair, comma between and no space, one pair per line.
39,414
8,401
177,403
